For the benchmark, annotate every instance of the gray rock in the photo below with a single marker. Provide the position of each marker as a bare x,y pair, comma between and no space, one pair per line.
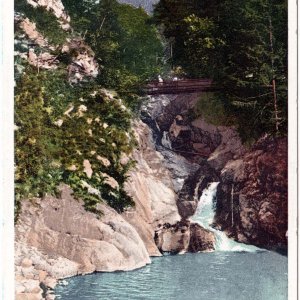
173,238
193,186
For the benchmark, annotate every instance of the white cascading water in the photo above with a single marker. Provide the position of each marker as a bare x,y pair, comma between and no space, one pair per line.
165,141
205,215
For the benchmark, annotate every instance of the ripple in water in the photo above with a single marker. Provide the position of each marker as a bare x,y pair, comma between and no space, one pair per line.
211,276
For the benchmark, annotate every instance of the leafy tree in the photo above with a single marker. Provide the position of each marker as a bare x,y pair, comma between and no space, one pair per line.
125,43
242,47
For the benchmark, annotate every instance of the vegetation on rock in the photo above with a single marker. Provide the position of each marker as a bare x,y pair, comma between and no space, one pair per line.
126,45
59,129
79,134
46,22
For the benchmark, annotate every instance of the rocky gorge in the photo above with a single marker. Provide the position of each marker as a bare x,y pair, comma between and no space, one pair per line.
166,188
176,158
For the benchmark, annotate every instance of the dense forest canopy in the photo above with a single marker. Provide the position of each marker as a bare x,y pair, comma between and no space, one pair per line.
242,46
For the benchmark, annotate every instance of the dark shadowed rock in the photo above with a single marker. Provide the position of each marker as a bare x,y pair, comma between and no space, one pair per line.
173,238
256,188
201,239
184,237
179,105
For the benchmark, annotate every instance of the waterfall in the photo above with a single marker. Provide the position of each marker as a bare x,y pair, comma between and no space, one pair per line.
165,141
181,168
205,215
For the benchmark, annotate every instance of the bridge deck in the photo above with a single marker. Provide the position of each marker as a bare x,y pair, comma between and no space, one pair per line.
179,86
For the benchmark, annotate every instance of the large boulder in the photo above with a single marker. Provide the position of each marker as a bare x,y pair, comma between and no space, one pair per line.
201,240
173,238
184,236
61,227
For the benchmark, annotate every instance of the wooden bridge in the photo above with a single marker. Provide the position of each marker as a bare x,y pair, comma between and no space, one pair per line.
179,86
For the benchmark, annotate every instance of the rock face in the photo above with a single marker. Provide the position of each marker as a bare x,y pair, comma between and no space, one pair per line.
253,182
150,186
55,6
256,185
82,66
75,241
197,140
184,237
178,105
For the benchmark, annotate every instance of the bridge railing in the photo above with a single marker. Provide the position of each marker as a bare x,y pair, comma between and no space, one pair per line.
176,86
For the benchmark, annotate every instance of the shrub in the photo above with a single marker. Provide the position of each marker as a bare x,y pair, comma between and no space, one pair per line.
58,127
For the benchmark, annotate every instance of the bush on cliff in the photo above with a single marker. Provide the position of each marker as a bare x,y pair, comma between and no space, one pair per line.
46,22
59,128
79,134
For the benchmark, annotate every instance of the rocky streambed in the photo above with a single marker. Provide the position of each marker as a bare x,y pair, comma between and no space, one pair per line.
176,159
251,205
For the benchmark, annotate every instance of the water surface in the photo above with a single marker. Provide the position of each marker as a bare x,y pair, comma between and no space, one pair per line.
235,271
211,276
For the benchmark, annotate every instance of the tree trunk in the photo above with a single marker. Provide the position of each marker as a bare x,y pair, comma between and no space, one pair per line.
273,75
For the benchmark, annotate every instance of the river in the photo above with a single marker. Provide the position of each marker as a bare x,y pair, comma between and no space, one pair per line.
201,276
233,271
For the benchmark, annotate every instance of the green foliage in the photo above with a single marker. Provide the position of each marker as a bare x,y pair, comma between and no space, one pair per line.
33,174
45,21
58,128
200,46
127,46
213,110
242,46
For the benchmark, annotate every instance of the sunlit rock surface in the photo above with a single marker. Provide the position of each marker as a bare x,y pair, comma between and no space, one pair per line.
151,187
84,242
